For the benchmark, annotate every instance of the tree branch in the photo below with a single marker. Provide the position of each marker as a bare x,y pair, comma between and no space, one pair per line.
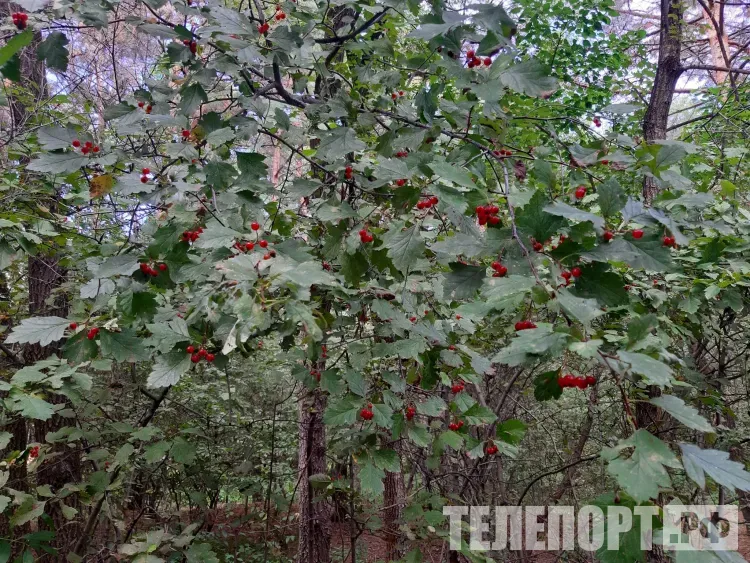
343,38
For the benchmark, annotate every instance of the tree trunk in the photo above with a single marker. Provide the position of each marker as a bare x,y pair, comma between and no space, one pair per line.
668,71
393,503
314,511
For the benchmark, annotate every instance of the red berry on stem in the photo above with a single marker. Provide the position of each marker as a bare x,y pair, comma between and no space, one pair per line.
470,54
146,171
487,61
249,246
580,192
190,349
162,267
76,143
73,326
565,275
637,233
576,272
144,180
608,236
210,358
255,225
195,358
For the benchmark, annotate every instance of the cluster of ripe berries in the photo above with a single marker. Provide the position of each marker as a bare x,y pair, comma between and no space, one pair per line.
144,175
456,425
91,334
149,270
490,449
87,147
499,270
248,246
396,95
427,203
570,380
20,19
366,413
410,412
34,452
147,108
192,45
488,214
315,373
458,386
573,273
524,325
597,122
473,60
365,236
263,28
348,172
502,153
196,357
402,154
191,236
280,15
580,192
668,241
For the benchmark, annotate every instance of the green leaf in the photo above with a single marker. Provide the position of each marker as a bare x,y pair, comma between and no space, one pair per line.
405,247
387,460
432,406
371,479
201,553
122,346
183,452
28,511
452,173
644,472
12,69
39,330
58,163
338,143
191,97
598,282
640,327
464,280
14,45
53,138
511,431
356,382
343,412
168,369
546,387
717,464
165,336
530,78
534,221
450,438
647,253
628,549
217,236
621,108
53,51
5,551
477,414
612,198
655,372
686,414
585,310
569,212
530,344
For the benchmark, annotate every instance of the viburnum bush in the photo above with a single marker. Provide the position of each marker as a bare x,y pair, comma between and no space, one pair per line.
412,255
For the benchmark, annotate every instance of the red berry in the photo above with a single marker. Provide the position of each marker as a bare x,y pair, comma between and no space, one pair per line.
568,380
453,426
580,382
637,233
266,256
144,180
146,171
608,236
576,272
434,200
410,412
493,220
210,358
163,267
85,150
73,326
249,246
566,275
605,162
366,414
470,54
76,143
400,182
394,95
580,192
487,61
263,243
520,325
96,149
190,349
413,319
195,358
185,133
92,333
538,246
149,108
141,104
501,272
590,380
401,93
496,265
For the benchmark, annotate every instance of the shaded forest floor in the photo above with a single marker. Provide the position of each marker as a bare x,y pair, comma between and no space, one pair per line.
234,530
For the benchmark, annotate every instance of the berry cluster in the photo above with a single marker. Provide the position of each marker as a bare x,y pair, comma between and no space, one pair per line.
524,325
488,214
604,162
270,254
88,146
365,236
348,172
490,449
191,236
597,122
410,412
263,28
427,203
192,45
573,273
324,351
473,61
456,425
580,192
366,413
144,175
20,19
315,374
401,154
668,241
196,357
147,108
396,95
570,380
91,334
34,452
536,245
458,386
499,270
502,153
280,15
147,269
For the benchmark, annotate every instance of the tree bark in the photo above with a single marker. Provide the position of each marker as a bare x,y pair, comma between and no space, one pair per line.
668,71
314,511
393,503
